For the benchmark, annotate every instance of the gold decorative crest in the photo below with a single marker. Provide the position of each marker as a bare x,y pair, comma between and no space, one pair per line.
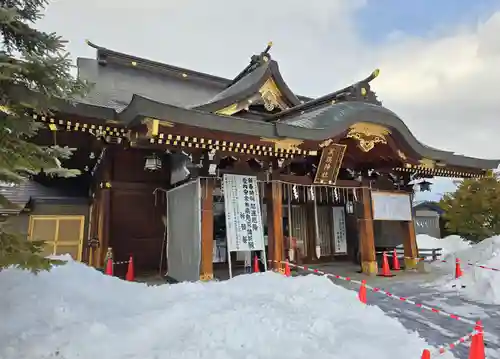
368,135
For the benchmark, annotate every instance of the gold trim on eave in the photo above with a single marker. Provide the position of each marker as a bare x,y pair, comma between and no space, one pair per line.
230,146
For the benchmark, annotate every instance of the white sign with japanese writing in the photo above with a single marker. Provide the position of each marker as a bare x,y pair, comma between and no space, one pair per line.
339,231
244,229
391,206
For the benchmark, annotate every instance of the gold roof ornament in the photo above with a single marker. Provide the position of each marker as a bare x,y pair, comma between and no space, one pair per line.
427,163
368,135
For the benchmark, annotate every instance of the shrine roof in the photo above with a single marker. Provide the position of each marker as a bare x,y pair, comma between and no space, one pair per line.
118,76
336,118
130,89
249,81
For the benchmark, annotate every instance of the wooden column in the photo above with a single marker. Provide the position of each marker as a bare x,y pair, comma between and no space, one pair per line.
410,245
104,224
207,228
274,198
367,235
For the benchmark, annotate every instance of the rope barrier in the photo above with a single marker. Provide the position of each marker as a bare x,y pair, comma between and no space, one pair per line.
450,346
381,291
471,265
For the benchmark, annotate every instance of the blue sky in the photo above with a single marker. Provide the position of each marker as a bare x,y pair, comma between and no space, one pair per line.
421,17
424,18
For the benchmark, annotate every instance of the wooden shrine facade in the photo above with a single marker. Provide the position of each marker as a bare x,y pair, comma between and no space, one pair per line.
166,125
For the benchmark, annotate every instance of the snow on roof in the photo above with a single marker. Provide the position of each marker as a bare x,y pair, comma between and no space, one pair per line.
76,312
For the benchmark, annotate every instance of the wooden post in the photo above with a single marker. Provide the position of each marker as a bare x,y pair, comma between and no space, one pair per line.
104,225
274,197
207,228
367,236
410,245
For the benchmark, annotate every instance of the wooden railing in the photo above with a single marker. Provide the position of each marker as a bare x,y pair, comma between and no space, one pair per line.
424,253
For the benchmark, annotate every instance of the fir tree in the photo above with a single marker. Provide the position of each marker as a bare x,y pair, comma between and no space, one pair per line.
34,70
473,210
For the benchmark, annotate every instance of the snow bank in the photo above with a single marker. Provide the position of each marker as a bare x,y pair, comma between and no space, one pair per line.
76,312
482,285
449,244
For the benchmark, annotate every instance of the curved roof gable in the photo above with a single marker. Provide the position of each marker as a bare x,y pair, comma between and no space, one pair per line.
333,120
252,81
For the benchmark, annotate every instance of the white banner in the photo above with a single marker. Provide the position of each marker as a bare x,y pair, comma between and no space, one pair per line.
244,229
339,231
391,206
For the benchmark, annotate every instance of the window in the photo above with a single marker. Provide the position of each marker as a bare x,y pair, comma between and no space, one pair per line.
62,234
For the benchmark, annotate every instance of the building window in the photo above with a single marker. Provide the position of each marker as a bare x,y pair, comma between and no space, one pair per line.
61,234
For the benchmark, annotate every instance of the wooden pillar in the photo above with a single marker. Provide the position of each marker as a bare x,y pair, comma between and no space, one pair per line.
367,235
410,245
105,223
274,199
207,228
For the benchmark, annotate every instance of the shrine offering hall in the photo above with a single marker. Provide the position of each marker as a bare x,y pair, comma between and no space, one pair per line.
192,173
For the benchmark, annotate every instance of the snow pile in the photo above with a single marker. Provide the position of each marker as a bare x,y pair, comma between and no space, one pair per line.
449,244
480,284
76,312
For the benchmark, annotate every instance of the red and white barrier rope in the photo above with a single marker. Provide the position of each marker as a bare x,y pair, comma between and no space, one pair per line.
450,346
471,265
379,290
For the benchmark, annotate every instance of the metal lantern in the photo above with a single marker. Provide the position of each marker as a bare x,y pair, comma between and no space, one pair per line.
153,163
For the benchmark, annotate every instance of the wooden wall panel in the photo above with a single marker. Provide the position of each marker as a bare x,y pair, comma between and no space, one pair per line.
137,228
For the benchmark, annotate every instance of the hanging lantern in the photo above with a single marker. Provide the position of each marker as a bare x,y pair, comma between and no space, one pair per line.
153,163
350,207
425,186
295,192
318,252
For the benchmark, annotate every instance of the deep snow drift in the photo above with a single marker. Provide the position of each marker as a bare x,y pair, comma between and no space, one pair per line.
449,244
76,312
481,284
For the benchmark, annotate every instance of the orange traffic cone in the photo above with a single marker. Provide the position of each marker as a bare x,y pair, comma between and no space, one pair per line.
426,354
395,261
256,264
362,292
130,276
287,269
458,269
109,267
386,271
477,345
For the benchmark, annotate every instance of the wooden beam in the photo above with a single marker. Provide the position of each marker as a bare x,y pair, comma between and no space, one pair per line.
367,235
207,228
410,245
274,198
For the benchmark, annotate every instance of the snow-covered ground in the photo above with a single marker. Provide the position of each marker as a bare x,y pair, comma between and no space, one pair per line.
478,284
76,312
